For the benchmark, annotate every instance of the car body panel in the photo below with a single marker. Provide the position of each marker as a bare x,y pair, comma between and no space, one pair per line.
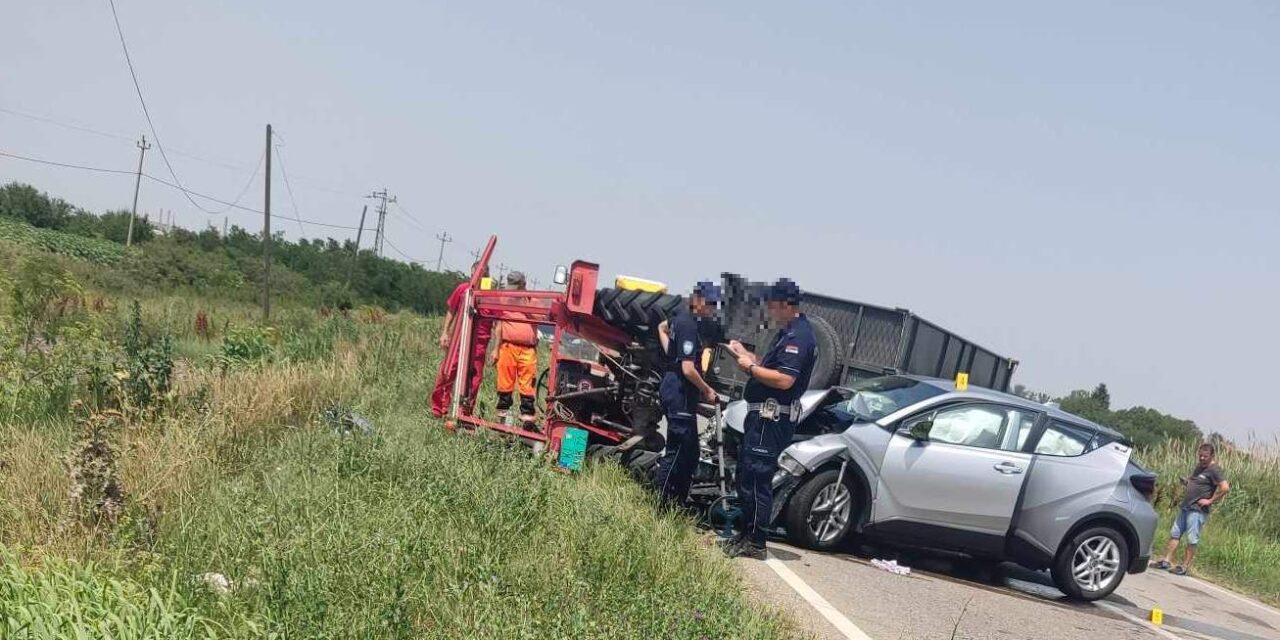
958,486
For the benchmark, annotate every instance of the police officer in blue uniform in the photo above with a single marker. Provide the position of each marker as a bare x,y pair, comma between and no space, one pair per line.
773,400
682,387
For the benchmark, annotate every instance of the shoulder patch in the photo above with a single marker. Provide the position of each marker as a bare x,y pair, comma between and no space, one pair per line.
791,348
687,347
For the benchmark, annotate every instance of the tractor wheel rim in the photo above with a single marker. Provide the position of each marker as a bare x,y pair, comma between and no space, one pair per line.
829,513
1095,564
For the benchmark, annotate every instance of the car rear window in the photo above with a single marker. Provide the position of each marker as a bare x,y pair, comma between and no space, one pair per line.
1064,439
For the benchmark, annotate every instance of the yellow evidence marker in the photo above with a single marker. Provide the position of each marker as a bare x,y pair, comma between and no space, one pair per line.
1157,616
962,381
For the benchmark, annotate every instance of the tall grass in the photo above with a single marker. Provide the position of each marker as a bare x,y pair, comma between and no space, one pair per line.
405,532
1240,545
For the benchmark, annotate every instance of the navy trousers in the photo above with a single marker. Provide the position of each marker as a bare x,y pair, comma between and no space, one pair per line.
762,443
679,459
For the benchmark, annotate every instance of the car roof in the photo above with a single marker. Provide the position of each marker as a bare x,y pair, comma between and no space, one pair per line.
982,393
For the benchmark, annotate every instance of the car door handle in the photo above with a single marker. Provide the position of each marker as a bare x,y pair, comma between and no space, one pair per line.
1008,468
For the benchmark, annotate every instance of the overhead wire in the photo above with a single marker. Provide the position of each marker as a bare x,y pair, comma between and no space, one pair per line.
292,202
151,124
63,164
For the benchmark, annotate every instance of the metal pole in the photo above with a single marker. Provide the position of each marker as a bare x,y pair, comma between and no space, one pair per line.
443,238
355,256
133,213
463,340
266,235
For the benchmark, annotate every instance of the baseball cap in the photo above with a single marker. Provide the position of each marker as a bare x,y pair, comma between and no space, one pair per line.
784,290
707,291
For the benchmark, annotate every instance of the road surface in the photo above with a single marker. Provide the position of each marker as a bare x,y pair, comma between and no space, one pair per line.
974,600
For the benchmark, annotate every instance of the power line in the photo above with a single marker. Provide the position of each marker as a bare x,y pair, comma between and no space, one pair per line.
404,255
166,183
177,152
292,202
147,112
62,164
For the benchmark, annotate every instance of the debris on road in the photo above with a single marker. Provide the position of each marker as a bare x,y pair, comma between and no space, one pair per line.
891,566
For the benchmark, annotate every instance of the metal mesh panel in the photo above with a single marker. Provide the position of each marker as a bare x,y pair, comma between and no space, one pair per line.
925,350
879,338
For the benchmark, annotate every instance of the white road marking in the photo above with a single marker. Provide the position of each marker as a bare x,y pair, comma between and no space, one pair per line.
833,615
1136,620
1227,592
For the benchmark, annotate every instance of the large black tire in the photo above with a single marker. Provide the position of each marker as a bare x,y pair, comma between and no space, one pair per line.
1071,554
636,312
829,352
818,491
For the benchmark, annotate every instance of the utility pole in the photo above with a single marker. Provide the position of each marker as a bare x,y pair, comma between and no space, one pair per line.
266,234
443,238
224,227
143,145
534,281
383,199
502,273
355,256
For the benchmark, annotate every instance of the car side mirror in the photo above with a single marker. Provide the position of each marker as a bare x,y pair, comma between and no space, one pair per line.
562,274
920,430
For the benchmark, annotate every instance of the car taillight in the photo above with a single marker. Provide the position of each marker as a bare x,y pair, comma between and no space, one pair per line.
1145,484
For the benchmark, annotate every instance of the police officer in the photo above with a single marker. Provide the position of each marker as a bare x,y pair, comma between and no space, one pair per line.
682,387
772,395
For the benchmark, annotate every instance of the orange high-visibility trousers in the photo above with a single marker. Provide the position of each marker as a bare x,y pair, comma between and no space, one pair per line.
517,366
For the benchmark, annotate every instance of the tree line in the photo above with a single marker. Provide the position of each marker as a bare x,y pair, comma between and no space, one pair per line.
1144,426
308,270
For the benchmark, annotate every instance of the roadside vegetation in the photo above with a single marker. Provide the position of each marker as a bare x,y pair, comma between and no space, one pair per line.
174,468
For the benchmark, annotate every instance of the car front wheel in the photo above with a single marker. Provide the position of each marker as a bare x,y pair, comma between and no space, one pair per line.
1092,564
821,512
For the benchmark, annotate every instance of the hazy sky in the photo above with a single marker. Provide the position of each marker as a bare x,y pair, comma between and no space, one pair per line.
1092,188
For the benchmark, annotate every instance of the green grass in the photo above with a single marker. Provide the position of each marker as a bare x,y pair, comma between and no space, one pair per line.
406,533
65,600
1240,545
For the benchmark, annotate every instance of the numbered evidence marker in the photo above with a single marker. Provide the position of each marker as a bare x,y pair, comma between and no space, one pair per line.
962,381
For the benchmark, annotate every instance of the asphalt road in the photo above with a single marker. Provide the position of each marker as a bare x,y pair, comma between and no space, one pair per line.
947,597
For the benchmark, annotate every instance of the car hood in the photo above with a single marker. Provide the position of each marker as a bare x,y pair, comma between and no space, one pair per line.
735,414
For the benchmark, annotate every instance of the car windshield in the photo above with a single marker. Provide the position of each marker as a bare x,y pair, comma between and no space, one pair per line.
878,397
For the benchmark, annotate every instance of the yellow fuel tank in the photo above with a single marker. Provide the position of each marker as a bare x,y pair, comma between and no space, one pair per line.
632,283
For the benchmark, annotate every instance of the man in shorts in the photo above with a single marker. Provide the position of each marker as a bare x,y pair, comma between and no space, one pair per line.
1205,487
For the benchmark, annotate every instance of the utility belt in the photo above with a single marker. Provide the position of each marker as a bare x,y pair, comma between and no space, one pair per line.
771,409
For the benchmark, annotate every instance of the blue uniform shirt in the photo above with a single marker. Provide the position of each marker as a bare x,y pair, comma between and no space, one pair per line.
794,350
685,346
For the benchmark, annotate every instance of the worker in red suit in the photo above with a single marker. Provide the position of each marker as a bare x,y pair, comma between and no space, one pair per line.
482,330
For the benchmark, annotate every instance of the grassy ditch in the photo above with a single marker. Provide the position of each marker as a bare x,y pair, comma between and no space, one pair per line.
181,470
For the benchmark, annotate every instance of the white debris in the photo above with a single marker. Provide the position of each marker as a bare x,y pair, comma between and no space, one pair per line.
891,566
217,583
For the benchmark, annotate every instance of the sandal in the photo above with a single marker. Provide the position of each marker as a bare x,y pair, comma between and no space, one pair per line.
1179,571
1162,565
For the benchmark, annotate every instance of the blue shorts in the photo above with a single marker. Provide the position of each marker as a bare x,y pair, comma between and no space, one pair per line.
1188,522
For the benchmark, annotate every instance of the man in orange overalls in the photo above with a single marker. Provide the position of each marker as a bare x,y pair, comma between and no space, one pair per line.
517,360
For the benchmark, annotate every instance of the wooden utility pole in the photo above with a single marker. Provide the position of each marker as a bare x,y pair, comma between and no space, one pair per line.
355,255
383,199
266,235
133,213
443,238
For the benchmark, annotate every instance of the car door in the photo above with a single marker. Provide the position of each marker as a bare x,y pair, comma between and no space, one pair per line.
958,486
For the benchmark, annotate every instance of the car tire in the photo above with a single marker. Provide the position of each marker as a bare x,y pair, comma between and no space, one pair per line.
813,530
1091,564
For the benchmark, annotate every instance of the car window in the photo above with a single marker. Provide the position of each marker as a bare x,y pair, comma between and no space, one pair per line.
1023,420
1063,439
973,425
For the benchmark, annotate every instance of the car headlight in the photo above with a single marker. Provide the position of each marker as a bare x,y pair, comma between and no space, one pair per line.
791,465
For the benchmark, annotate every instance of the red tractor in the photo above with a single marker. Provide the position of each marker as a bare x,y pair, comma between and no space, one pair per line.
603,376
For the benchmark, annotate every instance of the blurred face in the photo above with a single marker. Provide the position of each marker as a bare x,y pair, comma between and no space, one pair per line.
1205,457
780,312
700,306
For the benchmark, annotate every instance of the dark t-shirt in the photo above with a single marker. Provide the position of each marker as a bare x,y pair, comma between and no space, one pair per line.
1201,484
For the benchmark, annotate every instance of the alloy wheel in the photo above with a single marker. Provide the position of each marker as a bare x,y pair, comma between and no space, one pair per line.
829,513
1095,563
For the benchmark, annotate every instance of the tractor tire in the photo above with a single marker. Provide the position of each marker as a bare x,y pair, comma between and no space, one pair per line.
829,354
636,312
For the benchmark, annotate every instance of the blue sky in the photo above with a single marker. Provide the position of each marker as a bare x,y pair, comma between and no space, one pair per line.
1092,188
